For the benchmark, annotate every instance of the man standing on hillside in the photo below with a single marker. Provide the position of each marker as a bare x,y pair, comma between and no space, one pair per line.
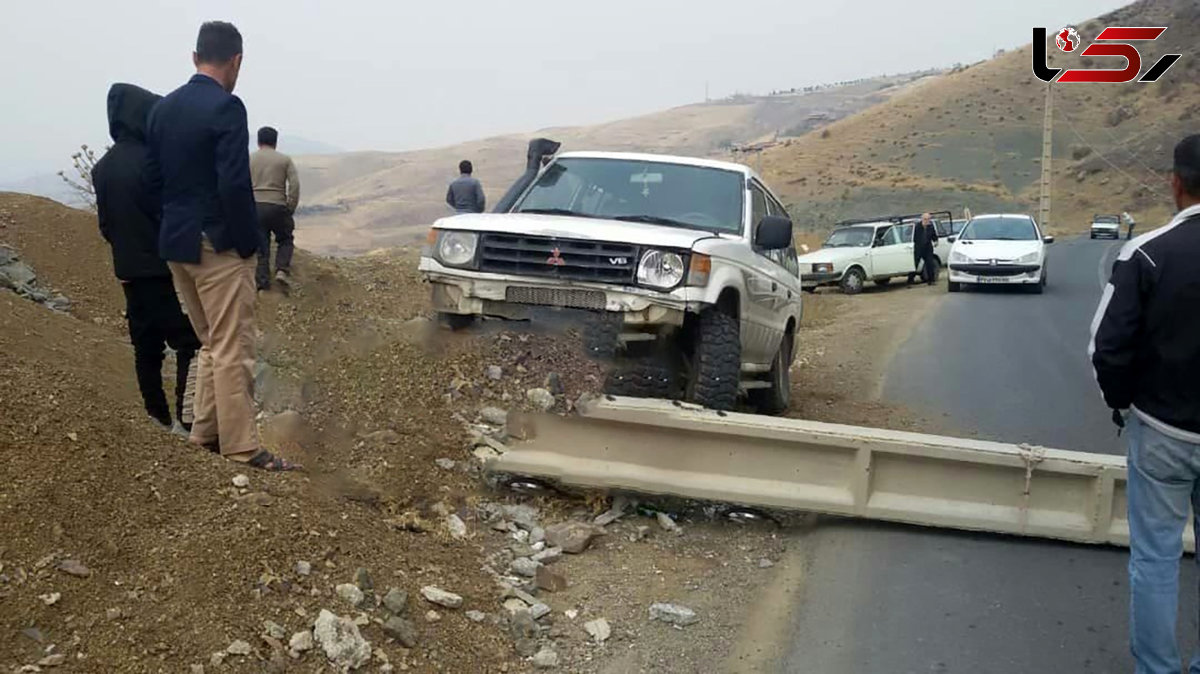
129,216
276,195
1146,351
1130,223
924,239
199,155
465,194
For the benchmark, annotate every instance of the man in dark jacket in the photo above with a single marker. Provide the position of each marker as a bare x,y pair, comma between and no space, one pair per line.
1146,351
129,220
924,239
465,194
199,148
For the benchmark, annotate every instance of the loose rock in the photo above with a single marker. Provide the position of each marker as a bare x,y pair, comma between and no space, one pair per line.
112,613
673,614
395,601
241,481
303,568
73,567
548,556
343,644
402,631
476,616
524,566
598,629
572,537
51,598
445,463
540,398
668,524
274,630
554,384
52,660
765,563
494,416
494,372
515,606
521,514
441,597
545,659
549,579
351,594
301,642
458,528
197,669
238,647
432,616
539,611
362,578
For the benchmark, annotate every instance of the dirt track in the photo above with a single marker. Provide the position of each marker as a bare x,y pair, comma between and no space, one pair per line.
182,563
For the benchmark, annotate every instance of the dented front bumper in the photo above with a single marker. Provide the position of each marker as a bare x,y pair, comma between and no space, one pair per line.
469,292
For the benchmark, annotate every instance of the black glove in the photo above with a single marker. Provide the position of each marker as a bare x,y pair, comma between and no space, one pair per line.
1119,420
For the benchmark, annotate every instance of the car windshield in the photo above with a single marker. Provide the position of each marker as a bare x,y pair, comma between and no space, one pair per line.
850,237
661,193
1000,228
1106,219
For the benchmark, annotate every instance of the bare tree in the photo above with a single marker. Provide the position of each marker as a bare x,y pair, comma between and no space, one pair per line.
82,162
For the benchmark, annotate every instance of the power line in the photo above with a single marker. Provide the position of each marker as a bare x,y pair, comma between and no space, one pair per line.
1118,169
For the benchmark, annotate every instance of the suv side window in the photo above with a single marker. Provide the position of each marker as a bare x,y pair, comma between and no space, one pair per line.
758,206
906,233
890,237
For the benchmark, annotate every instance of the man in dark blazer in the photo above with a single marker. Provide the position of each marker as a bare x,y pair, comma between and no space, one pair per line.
200,157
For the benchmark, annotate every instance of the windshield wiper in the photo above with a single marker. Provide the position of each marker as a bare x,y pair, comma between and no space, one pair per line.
655,220
556,211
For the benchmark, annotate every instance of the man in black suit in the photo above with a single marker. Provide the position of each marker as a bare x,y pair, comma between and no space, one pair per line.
199,149
129,213
924,239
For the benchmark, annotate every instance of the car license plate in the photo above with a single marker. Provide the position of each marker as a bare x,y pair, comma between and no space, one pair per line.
994,279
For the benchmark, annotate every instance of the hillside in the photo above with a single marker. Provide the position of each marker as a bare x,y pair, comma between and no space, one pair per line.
357,201
973,138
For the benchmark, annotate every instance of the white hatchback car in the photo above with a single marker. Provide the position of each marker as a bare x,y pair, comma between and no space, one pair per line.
1000,249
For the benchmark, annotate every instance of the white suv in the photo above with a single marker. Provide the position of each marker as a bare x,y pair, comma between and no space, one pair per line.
687,266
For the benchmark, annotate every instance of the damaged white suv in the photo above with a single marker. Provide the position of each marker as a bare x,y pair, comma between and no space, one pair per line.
687,267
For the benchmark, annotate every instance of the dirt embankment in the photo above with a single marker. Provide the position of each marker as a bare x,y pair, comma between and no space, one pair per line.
356,384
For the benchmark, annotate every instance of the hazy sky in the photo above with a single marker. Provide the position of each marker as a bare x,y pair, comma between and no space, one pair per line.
396,74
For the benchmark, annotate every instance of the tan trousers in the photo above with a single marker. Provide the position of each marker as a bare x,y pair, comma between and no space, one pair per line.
219,296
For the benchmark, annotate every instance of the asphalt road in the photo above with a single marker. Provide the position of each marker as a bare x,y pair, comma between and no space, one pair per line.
896,599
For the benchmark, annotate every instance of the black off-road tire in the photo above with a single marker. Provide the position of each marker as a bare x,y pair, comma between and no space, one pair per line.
456,322
716,361
778,398
853,281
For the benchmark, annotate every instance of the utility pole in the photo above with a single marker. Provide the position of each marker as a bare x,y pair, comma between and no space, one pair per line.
1047,152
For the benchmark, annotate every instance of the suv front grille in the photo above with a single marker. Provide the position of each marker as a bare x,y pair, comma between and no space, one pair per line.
599,261
573,298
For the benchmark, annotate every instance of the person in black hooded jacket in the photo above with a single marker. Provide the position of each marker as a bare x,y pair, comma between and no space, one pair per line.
129,218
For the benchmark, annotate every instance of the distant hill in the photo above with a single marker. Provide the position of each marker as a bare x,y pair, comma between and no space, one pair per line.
974,138
48,185
298,145
354,202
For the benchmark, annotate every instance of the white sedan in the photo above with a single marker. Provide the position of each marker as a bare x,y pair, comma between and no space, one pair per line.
1005,249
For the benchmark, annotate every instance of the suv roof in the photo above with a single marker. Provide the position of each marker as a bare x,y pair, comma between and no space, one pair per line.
663,158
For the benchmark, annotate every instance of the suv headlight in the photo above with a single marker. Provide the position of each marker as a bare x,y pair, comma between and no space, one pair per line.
660,269
958,257
456,248
1029,258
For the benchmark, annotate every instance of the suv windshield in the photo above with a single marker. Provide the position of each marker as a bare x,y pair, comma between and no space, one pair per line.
1107,219
661,193
1000,228
851,237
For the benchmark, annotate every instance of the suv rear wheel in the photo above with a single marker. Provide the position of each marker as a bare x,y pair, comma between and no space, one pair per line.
775,400
716,361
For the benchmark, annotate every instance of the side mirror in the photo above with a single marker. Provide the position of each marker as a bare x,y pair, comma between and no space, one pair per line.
773,233
952,239
1047,239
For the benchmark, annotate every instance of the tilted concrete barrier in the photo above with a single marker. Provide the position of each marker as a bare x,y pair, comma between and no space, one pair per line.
660,447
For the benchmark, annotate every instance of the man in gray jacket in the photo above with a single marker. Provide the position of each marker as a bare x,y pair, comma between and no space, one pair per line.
465,194
276,193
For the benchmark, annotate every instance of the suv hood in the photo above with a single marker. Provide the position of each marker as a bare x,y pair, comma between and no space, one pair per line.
985,249
567,227
833,255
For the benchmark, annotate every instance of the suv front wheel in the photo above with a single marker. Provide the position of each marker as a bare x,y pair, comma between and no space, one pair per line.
716,361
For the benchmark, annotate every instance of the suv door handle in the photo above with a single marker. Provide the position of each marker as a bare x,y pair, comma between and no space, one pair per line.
774,286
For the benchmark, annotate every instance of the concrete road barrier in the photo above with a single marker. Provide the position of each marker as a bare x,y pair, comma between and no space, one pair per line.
661,447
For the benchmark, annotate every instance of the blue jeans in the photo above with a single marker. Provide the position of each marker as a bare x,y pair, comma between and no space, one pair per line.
1164,480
